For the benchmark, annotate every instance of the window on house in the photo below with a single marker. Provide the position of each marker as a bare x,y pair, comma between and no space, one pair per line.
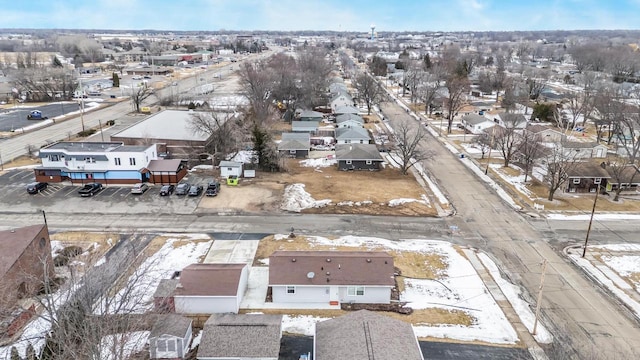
368,162
161,345
132,161
347,141
54,158
348,162
229,169
117,161
90,160
361,141
171,345
597,180
292,152
355,290
291,289
576,181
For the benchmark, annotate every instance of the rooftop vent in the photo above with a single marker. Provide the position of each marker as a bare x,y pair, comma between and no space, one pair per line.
293,260
328,273
311,275
368,260
328,260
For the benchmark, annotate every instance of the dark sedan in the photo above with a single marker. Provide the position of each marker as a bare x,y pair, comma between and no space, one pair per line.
36,187
166,190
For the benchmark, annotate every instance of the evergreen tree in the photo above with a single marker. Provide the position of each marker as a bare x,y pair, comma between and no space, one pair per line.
116,80
427,62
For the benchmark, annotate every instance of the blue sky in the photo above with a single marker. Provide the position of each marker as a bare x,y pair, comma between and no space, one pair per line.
352,15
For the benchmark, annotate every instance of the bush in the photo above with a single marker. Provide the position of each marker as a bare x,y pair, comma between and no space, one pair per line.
66,254
110,123
87,133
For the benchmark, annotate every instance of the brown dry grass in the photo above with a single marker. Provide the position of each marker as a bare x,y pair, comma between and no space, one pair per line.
87,241
427,317
21,161
420,265
379,187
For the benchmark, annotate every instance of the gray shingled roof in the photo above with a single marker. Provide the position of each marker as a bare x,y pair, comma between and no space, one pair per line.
304,125
331,267
360,334
346,110
170,324
311,114
346,117
165,288
295,141
352,133
357,152
474,119
241,336
579,145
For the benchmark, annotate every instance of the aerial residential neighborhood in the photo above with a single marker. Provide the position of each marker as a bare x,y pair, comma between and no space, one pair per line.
417,189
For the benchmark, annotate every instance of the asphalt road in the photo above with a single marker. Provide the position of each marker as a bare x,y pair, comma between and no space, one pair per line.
580,316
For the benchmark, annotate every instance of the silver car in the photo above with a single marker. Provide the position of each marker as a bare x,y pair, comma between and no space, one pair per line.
139,188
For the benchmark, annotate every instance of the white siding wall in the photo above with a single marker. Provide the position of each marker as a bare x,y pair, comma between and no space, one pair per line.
206,304
242,285
320,294
77,161
225,172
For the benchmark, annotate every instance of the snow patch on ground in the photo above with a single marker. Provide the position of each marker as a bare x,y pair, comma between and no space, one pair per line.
321,162
625,265
202,167
597,217
244,156
296,199
161,265
300,324
122,345
512,293
517,181
402,201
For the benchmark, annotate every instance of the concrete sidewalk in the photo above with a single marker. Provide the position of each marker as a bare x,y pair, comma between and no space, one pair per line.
232,251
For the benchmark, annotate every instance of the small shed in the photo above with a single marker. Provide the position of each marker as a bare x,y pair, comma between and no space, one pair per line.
230,168
170,337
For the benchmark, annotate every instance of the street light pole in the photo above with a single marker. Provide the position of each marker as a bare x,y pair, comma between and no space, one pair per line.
593,210
101,132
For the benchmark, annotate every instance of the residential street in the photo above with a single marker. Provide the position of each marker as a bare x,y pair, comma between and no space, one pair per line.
579,315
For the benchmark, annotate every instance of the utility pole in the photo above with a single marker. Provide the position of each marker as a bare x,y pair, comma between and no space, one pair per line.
535,323
493,131
101,132
593,210
81,104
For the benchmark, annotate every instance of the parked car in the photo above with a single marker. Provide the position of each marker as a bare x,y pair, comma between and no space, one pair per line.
183,188
36,187
90,189
166,190
213,188
136,77
195,190
139,188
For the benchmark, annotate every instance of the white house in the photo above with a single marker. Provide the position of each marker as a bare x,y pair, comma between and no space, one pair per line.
331,277
170,337
349,120
230,168
241,337
210,288
352,135
104,162
509,120
584,150
476,124
545,134
340,99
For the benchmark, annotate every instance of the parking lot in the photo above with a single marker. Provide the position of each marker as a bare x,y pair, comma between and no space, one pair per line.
64,197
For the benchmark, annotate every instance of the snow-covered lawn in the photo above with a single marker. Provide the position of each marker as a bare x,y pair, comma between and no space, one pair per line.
516,181
615,266
122,345
175,254
459,288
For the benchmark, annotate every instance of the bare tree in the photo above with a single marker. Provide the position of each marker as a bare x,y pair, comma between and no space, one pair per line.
44,84
558,164
140,94
507,139
369,90
412,79
407,150
457,88
428,89
530,150
225,130
256,86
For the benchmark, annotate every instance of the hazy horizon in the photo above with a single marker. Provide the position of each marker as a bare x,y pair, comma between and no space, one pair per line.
327,15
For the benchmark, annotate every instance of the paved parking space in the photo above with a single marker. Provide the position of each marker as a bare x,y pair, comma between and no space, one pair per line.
64,198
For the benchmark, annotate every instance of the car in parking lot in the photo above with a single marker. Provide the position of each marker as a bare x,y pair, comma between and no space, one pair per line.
139,188
36,187
90,189
183,188
166,190
195,190
213,188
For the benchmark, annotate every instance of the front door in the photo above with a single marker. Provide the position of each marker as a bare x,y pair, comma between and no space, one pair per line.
334,294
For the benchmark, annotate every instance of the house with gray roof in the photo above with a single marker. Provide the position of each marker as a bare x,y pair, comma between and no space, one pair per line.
349,120
360,334
170,337
246,337
358,157
295,145
476,124
339,100
309,115
337,87
352,135
545,134
509,120
584,150
305,126
586,177
331,277
346,109
211,288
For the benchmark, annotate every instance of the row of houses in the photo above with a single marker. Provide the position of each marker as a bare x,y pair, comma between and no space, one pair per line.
356,335
301,277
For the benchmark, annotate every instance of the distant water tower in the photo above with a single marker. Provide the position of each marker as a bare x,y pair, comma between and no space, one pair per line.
373,31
